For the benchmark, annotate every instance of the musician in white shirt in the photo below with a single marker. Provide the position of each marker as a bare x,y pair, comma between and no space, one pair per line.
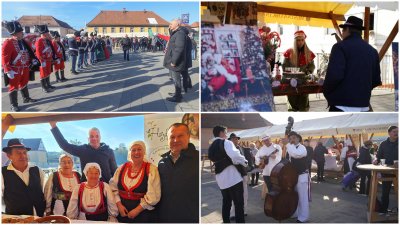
274,154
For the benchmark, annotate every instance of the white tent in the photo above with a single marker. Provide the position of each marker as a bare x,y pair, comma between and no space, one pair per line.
336,125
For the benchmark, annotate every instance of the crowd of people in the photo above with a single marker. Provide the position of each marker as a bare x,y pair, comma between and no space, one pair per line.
47,52
136,191
234,161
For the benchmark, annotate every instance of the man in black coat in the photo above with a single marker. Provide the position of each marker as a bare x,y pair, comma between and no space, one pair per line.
353,70
319,157
73,50
365,158
126,45
176,57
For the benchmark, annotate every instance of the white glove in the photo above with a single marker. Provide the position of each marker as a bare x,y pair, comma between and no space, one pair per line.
43,64
11,74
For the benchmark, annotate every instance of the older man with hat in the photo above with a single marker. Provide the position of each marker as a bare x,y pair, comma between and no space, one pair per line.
353,70
267,157
44,52
16,60
73,50
22,184
297,154
59,65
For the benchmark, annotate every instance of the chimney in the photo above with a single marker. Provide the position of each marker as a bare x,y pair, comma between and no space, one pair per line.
124,10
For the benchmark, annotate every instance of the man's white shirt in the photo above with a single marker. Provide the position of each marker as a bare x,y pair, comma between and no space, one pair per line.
266,151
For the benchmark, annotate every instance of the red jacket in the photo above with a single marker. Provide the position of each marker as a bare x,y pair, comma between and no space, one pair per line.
43,50
10,58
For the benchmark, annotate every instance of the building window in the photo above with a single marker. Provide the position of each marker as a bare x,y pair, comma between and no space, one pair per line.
132,29
142,29
96,29
27,29
104,30
121,30
112,29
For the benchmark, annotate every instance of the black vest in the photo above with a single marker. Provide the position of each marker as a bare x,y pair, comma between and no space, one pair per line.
301,164
59,194
19,198
217,154
144,216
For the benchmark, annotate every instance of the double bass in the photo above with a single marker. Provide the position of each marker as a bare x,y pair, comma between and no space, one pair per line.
282,200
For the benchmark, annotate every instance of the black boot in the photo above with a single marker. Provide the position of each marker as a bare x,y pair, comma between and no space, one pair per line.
25,95
14,101
44,86
63,76
58,77
48,83
177,97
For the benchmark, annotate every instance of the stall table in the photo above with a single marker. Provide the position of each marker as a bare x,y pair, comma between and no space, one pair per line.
375,169
301,89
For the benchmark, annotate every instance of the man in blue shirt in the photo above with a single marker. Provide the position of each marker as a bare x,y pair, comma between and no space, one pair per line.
95,151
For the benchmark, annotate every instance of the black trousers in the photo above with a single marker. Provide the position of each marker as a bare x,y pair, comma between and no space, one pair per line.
363,189
235,194
320,170
268,182
126,54
386,186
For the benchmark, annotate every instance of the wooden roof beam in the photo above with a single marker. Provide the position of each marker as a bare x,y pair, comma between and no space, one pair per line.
338,35
389,41
298,12
5,124
366,24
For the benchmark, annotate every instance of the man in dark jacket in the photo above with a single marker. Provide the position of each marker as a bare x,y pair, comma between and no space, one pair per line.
388,150
95,151
176,57
73,50
365,158
353,70
179,176
126,45
187,82
310,154
319,157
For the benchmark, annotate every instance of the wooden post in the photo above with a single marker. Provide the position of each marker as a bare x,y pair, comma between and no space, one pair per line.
336,26
351,139
6,122
372,135
228,13
366,24
389,41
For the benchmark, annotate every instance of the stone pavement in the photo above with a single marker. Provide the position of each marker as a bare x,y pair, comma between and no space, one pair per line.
141,84
381,101
329,203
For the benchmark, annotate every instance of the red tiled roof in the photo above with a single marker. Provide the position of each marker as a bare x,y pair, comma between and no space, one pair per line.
126,18
194,25
41,20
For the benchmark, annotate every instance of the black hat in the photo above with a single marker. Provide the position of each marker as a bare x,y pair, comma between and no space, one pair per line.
233,135
14,143
54,34
353,21
42,29
13,27
295,134
77,33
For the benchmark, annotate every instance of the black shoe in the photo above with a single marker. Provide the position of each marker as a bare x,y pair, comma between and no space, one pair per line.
15,108
174,99
232,218
298,221
48,90
51,87
74,72
27,100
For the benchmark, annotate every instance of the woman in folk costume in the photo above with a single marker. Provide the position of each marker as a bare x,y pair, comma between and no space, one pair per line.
105,49
99,49
136,187
92,200
59,186
299,56
60,52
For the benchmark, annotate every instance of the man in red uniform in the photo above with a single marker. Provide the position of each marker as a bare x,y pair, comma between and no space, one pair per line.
60,53
15,62
45,55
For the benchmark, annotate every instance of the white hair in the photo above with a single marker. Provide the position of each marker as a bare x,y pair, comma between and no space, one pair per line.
95,129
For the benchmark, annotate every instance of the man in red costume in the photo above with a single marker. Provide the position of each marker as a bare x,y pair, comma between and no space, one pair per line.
44,53
15,62
60,52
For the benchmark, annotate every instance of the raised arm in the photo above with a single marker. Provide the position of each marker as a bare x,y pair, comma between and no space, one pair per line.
64,145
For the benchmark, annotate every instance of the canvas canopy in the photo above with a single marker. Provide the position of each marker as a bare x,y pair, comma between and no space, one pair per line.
337,125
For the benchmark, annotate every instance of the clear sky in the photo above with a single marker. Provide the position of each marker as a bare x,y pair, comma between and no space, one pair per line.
113,131
281,117
77,14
